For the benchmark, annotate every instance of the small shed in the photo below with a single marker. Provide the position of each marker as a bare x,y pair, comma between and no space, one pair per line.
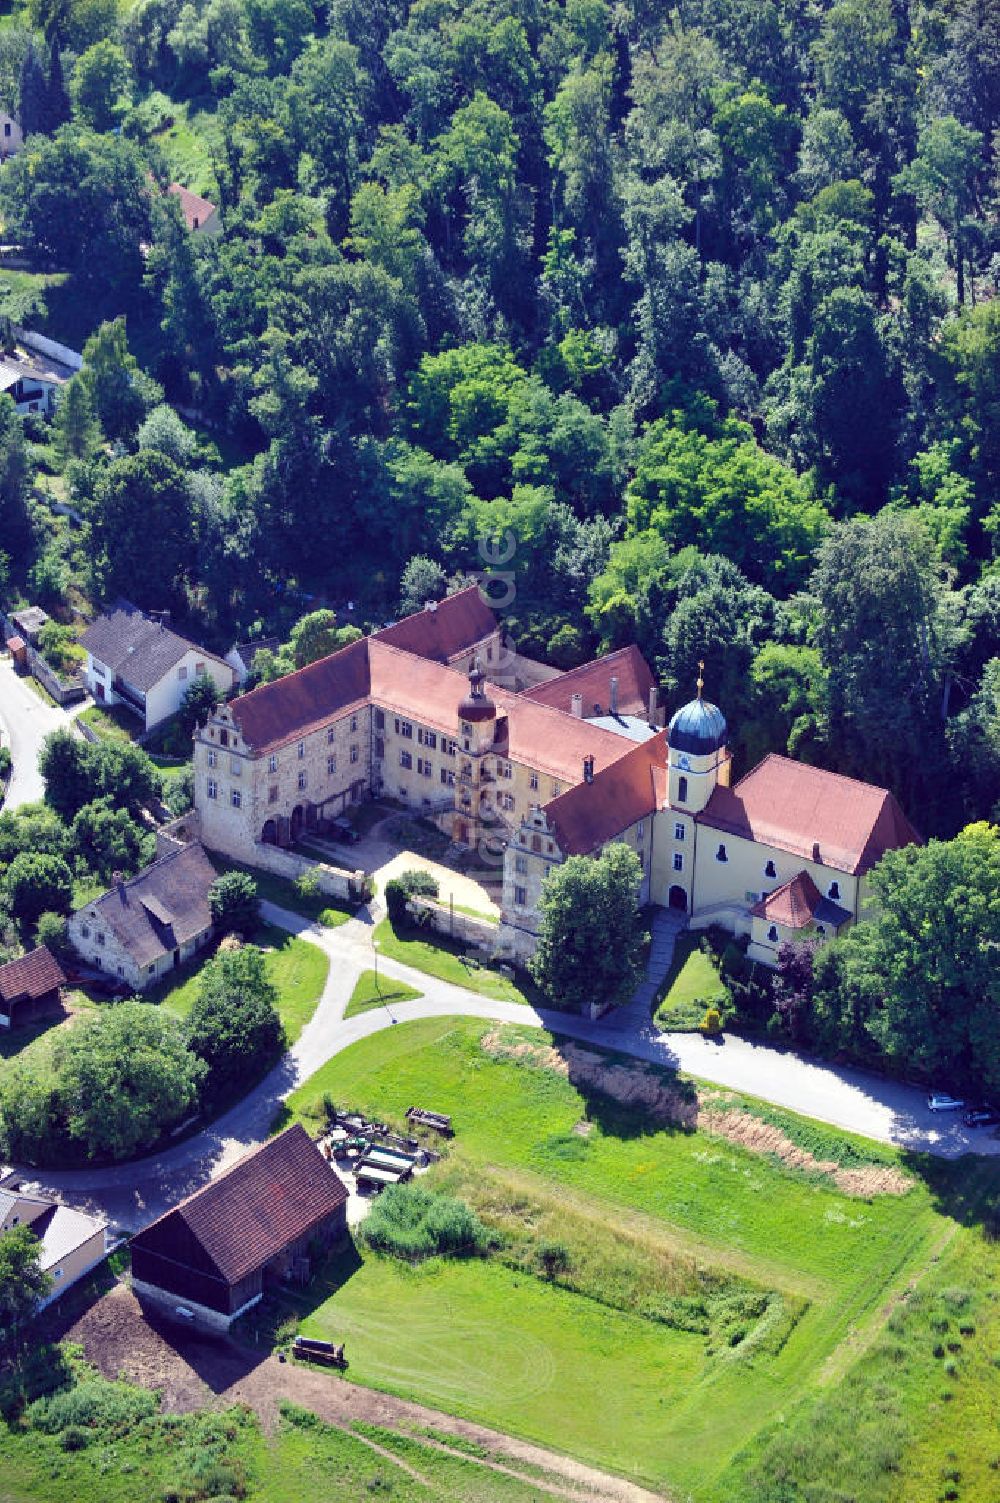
29,622
18,649
213,1254
30,989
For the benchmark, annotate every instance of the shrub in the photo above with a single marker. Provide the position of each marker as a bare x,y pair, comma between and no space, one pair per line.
419,884
38,884
307,885
94,1404
51,932
554,1258
73,1438
414,1223
396,899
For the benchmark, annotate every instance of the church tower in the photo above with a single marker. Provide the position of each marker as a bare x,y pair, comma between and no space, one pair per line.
698,760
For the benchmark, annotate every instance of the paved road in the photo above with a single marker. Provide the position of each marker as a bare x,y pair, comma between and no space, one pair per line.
25,721
132,1194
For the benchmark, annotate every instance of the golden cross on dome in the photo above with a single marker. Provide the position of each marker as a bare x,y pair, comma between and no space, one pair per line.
701,681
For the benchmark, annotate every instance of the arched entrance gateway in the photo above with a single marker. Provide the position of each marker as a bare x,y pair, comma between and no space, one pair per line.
269,834
298,820
678,898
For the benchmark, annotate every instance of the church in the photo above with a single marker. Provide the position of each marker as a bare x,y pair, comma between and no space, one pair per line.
529,766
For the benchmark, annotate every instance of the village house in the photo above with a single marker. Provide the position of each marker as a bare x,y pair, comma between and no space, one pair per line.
30,989
11,136
213,1255
140,663
72,1243
142,929
533,777
241,655
30,383
200,216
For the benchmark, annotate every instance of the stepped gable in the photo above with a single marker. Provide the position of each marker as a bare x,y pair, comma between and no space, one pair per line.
631,789
818,815
444,630
592,681
293,706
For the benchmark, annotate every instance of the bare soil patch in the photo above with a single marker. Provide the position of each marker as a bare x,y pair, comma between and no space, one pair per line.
641,1085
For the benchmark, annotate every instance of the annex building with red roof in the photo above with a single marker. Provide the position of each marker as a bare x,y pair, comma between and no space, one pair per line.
430,712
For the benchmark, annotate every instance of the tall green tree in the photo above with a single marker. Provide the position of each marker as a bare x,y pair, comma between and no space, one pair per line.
591,938
141,497
23,1281
234,1025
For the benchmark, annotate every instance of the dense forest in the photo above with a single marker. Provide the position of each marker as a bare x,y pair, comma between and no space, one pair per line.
697,301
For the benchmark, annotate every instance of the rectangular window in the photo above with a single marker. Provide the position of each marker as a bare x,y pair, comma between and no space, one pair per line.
272,794
678,831
451,747
404,728
424,767
448,777
199,669
272,763
504,770
212,756
379,746
520,865
556,790
302,780
354,753
639,830
380,720
182,674
235,766
406,759
85,930
330,733
751,897
236,799
301,749
354,723
507,802
101,938
682,790
678,862
331,766
533,781
213,788
428,739
520,896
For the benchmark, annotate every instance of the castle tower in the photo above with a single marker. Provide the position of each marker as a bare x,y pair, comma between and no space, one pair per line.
697,758
477,716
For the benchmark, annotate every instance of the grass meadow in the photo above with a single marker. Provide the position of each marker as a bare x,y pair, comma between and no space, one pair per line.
373,990
703,1303
447,960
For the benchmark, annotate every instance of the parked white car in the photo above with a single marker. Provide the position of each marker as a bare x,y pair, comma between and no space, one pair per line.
940,1101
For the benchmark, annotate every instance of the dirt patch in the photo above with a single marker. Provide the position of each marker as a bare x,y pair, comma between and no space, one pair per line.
756,1136
200,1372
642,1086
632,1085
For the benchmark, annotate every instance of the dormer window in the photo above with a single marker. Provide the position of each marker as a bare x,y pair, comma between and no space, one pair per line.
833,891
682,790
769,870
722,854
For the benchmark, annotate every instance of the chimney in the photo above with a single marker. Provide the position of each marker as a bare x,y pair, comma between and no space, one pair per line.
614,696
654,704
588,769
576,706
119,882
816,855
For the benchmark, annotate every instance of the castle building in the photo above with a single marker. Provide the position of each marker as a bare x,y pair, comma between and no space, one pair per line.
531,776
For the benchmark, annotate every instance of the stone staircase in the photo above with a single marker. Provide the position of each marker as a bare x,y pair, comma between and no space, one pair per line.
635,1016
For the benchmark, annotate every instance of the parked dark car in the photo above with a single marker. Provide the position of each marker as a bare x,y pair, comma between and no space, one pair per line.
340,829
981,1116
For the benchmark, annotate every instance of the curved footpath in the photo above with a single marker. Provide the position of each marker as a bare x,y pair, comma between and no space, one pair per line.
132,1194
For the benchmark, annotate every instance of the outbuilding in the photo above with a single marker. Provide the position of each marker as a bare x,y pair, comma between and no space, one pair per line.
30,989
212,1256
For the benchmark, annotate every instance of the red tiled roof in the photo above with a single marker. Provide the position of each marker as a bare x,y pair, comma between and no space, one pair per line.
794,904
30,977
819,815
195,210
593,682
292,706
629,790
546,739
253,1211
445,630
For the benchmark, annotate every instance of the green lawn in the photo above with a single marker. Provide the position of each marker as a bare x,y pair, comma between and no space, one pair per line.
111,722
448,961
320,907
297,969
693,983
373,990
499,1344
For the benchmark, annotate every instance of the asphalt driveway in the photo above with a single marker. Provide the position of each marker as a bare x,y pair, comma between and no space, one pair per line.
25,721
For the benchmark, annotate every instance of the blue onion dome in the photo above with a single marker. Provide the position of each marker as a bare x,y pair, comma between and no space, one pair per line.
698,728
